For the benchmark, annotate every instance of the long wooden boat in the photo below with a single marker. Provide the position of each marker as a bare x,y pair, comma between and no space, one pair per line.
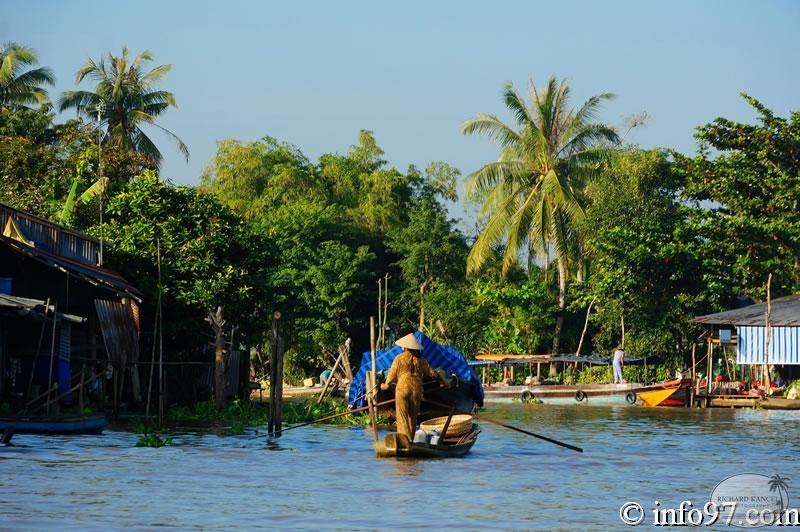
780,403
656,397
92,424
396,445
669,393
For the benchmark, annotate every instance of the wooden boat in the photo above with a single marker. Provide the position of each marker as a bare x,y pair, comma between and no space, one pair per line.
669,393
92,424
396,445
780,403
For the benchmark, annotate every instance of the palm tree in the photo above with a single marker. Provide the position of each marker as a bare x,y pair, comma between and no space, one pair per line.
531,191
781,485
124,100
19,89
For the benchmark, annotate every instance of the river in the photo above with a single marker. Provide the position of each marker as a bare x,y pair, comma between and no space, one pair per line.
326,477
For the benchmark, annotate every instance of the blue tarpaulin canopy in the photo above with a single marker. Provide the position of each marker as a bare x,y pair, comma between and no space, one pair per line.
441,356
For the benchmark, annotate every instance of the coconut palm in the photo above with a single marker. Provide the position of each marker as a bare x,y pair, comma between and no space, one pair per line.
125,100
781,485
531,192
19,88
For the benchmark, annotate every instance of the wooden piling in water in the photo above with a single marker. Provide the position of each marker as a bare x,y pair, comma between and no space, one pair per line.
275,378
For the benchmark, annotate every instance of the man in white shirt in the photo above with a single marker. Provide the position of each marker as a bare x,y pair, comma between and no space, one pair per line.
619,361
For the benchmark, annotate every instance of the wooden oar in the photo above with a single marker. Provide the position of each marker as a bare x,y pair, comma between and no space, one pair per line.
326,418
505,425
545,438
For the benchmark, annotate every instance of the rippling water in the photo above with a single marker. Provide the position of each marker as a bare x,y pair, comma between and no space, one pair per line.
323,477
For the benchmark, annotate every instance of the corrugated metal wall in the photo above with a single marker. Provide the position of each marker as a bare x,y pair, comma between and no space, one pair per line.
784,345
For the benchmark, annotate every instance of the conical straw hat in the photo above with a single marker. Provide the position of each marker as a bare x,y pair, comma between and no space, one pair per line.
409,341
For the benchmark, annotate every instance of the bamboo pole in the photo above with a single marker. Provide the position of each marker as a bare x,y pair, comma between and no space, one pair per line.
38,348
768,338
373,381
694,375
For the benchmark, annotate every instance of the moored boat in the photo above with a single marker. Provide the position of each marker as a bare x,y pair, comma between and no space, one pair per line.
780,403
656,397
91,424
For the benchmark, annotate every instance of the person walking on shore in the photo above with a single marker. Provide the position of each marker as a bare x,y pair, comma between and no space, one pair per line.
619,362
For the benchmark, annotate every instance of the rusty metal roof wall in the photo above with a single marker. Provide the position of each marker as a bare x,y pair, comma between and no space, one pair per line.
785,312
92,274
119,331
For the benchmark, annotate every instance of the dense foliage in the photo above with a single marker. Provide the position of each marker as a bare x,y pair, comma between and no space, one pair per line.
645,239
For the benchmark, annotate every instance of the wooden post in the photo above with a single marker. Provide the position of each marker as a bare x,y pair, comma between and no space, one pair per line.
694,375
80,389
710,365
217,323
52,353
373,380
768,337
276,379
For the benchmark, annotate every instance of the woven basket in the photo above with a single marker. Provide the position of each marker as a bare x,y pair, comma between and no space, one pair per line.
460,424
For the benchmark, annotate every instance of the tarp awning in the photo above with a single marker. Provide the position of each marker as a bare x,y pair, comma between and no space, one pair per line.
446,357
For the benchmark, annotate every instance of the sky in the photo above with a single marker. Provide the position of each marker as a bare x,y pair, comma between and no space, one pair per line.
314,73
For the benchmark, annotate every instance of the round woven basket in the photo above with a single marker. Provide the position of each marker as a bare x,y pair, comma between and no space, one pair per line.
459,425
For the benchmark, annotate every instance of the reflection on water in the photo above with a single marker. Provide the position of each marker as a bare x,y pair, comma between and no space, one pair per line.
327,477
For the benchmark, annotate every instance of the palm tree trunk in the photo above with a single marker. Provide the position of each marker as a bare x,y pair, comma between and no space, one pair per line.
562,302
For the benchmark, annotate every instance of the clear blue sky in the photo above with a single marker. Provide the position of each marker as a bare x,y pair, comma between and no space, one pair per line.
313,73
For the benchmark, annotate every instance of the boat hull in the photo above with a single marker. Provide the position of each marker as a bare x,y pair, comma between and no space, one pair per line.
656,397
586,395
780,403
396,445
55,424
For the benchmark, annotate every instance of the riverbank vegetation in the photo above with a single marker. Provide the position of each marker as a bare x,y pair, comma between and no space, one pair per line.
574,221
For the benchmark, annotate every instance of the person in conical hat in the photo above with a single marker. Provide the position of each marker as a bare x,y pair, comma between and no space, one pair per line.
407,371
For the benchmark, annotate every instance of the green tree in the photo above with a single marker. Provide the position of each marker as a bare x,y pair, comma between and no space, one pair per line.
20,88
531,190
208,258
253,177
125,100
746,180
641,269
429,249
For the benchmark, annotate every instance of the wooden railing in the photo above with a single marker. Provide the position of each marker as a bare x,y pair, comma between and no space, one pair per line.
51,237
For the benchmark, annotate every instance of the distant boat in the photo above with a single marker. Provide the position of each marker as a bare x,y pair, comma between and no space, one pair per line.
92,424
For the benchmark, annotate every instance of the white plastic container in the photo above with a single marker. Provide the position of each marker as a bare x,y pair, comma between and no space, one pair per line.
435,437
420,436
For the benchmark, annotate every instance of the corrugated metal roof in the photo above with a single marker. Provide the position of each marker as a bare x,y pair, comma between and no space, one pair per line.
785,312
94,275
784,345
36,306
119,331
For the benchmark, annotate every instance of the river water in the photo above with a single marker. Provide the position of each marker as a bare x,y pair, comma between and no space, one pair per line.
326,477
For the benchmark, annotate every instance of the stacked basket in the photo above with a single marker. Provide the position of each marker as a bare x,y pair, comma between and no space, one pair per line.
460,425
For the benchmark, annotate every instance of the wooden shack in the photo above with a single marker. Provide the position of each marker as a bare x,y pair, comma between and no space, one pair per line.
759,346
63,315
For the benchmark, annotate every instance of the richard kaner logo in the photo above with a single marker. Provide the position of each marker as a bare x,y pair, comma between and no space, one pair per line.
750,500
